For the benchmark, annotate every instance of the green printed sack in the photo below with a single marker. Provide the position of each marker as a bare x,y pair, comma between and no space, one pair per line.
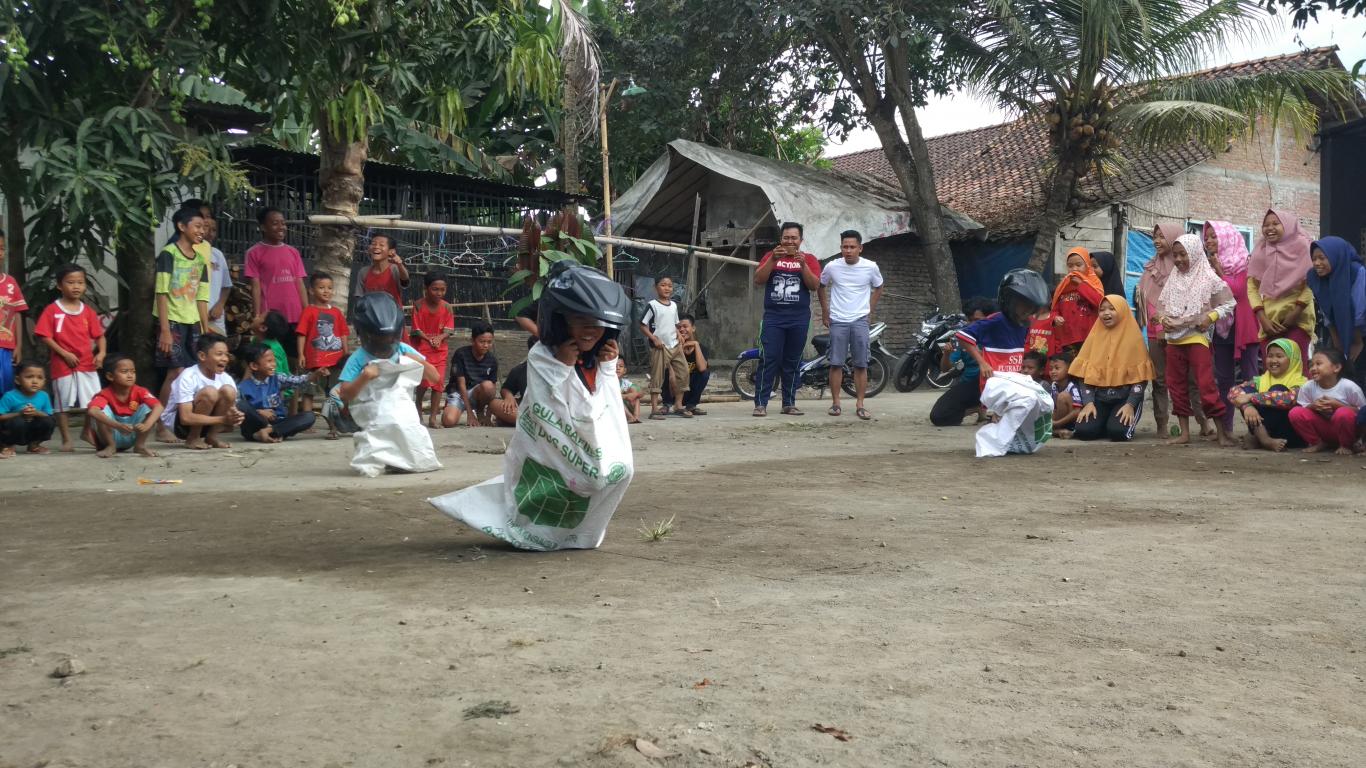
566,469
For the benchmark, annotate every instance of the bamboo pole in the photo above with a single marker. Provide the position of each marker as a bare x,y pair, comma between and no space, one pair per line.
385,222
606,174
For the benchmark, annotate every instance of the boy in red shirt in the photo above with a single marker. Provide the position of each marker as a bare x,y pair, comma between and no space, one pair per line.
433,325
75,336
386,274
124,414
322,336
11,338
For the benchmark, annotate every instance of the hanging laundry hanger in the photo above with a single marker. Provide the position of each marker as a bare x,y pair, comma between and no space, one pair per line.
625,257
468,258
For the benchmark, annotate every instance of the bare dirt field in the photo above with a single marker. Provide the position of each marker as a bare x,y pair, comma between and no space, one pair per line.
1095,605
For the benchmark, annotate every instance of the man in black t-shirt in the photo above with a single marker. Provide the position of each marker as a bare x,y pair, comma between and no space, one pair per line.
699,372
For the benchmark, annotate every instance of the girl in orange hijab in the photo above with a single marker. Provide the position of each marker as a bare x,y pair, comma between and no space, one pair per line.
1076,301
1114,369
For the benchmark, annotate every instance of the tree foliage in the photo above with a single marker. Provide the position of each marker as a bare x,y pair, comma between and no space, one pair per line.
1118,75
1306,10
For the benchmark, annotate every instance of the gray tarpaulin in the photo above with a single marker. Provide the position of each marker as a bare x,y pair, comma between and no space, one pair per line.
825,202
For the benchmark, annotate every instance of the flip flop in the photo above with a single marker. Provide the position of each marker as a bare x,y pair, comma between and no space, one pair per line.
760,411
863,414
658,417
697,412
792,410
834,410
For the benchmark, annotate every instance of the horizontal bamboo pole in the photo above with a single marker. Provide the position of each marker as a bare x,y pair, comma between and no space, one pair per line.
389,222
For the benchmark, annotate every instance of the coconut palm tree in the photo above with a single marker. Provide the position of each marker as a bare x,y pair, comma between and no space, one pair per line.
1123,74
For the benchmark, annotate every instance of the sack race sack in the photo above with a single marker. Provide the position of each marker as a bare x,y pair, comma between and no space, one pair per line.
1026,416
566,469
391,432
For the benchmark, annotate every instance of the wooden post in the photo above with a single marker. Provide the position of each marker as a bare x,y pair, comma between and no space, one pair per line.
606,173
692,256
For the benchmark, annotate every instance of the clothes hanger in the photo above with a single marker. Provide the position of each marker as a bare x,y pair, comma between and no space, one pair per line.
468,258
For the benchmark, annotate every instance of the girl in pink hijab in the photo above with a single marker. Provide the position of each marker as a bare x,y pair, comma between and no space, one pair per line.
1194,299
1147,298
1281,299
1237,347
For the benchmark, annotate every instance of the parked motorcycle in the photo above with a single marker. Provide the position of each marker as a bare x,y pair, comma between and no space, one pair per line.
922,362
815,373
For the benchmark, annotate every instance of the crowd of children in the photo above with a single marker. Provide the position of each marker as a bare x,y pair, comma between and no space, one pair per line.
1227,332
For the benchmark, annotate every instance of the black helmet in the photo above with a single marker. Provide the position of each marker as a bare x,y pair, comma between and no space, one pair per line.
574,289
1025,285
379,323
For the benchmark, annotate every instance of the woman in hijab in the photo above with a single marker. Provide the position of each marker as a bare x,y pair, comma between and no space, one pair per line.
1276,282
1265,401
1107,269
1237,348
1075,302
1147,297
1192,301
1114,370
1338,281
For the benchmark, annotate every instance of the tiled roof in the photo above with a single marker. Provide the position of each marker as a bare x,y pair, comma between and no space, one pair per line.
996,175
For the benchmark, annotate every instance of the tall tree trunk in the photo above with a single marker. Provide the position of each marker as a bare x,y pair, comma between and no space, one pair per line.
341,176
916,177
570,128
1055,213
136,254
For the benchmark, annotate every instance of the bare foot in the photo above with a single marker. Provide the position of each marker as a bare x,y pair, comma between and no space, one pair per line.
1316,448
1182,439
1164,429
35,448
333,436
145,452
1226,442
1063,434
265,435
166,436
1343,451
1208,431
1278,445
105,452
433,424
216,443
7,452
197,444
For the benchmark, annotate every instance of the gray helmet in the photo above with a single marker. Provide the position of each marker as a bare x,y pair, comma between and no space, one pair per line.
1026,285
377,314
574,289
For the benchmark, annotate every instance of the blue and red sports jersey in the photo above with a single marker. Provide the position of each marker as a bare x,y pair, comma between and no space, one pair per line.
1000,341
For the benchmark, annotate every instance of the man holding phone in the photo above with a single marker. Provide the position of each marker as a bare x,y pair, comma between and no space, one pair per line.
788,275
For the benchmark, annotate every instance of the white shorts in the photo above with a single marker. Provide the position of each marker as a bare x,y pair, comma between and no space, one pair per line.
453,401
75,391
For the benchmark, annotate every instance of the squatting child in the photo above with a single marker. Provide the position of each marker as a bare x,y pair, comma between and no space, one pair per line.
204,397
473,377
124,414
26,412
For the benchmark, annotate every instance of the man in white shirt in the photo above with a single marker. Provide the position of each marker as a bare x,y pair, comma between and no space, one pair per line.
850,289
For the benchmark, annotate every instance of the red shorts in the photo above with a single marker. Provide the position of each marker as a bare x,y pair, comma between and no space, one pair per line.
438,359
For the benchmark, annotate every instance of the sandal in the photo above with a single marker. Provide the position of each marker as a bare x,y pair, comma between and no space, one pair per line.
760,411
697,412
658,417
792,410
682,413
863,414
834,410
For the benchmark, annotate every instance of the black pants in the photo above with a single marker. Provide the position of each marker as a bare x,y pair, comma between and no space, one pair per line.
1277,423
1106,424
953,405
22,431
284,428
697,384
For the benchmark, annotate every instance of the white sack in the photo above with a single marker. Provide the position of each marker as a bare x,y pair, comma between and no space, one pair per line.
566,469
391,432
1026,415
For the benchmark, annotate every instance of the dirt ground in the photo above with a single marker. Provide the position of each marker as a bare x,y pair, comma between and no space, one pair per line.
1095,605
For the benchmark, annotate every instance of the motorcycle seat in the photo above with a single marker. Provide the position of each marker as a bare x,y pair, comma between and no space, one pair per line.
821,342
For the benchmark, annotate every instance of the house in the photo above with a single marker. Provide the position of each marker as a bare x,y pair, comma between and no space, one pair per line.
740,200
996,175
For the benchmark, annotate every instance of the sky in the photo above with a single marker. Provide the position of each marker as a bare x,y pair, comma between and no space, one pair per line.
961,112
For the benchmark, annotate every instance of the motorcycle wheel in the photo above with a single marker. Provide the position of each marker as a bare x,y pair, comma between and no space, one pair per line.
743,378
910,373
877,378
939,378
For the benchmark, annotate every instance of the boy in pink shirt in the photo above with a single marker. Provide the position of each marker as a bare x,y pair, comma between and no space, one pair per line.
276,271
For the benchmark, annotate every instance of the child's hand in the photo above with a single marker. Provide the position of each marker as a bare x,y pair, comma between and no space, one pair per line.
321,373
1242,399
126,429
29,411
1088,412
72,360
234,417
99,359
473,420
609,351
164,340
266,414
369,372
144,426
568,352
1126,414
1252,417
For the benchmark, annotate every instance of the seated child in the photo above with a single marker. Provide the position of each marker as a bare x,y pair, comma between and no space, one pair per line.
204,397
1326,414
1265,401
275,332
75,336
262,400
26,412
1034,364
699,370
473,377
504,409
630,394
124,414
1066,395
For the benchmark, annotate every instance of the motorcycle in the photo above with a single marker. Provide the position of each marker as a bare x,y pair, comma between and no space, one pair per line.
922,362
815,373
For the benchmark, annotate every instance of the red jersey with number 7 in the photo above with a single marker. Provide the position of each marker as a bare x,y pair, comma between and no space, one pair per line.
74,332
